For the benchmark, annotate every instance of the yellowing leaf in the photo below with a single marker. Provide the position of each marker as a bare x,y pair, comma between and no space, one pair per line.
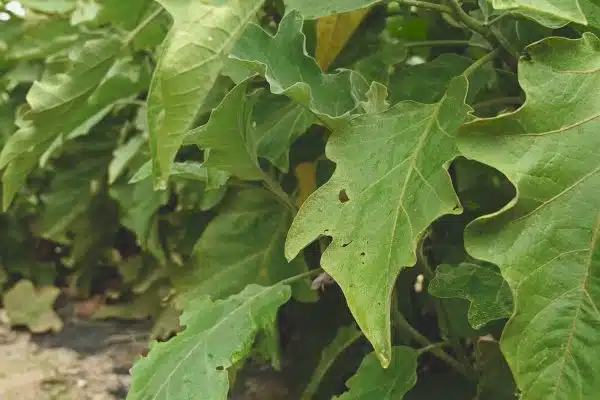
306,174
333,32
26,305
389,185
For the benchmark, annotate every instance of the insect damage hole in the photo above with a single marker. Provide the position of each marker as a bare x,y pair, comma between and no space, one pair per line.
342,196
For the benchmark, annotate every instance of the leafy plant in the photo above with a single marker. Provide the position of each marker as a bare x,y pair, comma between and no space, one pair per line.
369,199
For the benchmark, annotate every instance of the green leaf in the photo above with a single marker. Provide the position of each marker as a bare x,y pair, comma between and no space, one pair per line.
312,9
123,155
50,6
188,170
139,202
427,83
193,55
242,245
482,285
193,365
283,61
547,12
67,105
26,305
344,338
390,183
41,39
545,240
373,382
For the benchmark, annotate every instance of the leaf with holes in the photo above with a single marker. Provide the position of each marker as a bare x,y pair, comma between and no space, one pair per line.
390,183
545,241
192,58
194,364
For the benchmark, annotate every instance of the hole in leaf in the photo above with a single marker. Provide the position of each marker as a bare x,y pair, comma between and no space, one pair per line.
220,368
342,196
346,244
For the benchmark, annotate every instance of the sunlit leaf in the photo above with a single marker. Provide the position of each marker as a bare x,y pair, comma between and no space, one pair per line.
545,240
389,184
26,305
314,8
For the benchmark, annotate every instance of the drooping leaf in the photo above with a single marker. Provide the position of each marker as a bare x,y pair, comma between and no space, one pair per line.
311,9
213,178
193,365
283,61
123,155
26,305
333,32
373,382
192,57
389,185
41,39
344,338
483,286
66,105
545,240
242,245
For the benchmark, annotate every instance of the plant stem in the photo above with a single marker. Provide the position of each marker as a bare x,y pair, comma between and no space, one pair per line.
495,19
431,347
433,43
500,101
129,38
479,62
466,19
427,5
301,276
436,351
274,187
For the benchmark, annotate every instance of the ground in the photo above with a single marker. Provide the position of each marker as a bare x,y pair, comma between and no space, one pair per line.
87,360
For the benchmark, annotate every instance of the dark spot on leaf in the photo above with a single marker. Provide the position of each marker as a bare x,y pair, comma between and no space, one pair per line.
346,244
220,368
210,356
343,197
362,254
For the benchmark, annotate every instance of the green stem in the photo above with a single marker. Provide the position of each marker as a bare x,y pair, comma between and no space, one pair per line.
403,324
479,62
131,36
274,187
431,347
427,5
466,19
301,276
500,101
433,43
495,19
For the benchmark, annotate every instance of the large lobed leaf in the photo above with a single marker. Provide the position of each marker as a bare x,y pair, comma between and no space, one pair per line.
390,183
316,8
192,58
546,240
283,61
193,365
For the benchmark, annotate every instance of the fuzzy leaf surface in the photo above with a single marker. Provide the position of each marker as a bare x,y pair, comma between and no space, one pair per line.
545,241
390,183
192,58
193,365
312,9
373,382
484,287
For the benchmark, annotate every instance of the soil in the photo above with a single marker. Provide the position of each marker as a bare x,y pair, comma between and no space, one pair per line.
87,360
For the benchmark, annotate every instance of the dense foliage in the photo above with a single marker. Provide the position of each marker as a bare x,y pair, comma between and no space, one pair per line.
369,199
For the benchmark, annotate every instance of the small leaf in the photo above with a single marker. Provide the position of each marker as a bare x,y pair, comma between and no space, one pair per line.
344,338
545,241
333,32
283,61
26,305
123,155
484,287
188,170
373,382
192,58
390,183
50,6
194,364
312,9
242,245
